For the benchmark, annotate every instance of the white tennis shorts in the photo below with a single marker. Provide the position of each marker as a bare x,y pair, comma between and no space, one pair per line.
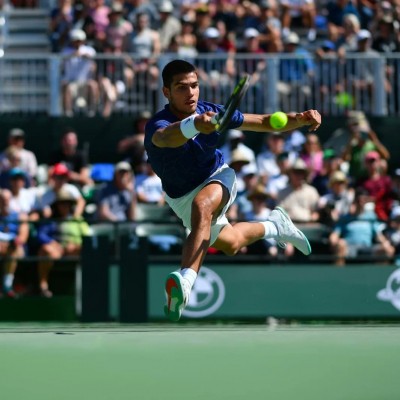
182,206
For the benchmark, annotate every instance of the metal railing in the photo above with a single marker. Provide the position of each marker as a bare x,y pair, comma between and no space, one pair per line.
332,85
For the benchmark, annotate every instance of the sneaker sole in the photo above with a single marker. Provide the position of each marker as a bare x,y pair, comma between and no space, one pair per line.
298,230
175,297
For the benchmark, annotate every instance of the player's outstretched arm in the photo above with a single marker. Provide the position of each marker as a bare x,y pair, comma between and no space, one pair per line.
178,133
261,122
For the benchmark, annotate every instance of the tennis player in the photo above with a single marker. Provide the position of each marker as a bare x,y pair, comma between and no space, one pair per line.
181,144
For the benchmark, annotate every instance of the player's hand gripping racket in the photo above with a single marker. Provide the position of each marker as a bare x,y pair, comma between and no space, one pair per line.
223,118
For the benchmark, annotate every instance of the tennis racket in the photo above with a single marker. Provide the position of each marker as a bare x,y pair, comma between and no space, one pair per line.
223,118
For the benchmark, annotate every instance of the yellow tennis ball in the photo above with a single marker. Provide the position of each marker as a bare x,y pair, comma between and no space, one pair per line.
278,120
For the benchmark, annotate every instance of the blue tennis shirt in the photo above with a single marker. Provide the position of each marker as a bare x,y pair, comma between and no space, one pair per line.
183,168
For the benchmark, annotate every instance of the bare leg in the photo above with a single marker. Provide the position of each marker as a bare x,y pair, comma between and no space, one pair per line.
207,204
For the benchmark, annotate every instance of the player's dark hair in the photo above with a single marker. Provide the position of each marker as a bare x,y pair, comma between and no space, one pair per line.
176,67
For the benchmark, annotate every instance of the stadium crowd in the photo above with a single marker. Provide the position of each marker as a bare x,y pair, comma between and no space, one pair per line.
321,33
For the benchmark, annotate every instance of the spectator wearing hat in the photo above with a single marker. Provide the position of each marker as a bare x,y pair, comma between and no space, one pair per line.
14,233
13,157
359,233
299,199
59,182
118,27
117,200
28,162
338,201
73,158
234,140
62,236
385,40
296,74
378,185
361,140
169,25
260,211
238,160
80,89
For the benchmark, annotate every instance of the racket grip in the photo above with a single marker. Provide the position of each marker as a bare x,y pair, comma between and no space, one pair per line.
214,119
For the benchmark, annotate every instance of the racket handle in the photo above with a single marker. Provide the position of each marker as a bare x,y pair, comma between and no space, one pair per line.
214,119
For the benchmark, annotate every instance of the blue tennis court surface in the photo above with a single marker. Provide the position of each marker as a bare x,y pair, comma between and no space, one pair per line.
194,361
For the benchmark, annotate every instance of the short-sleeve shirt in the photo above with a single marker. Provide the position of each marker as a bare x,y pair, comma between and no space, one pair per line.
118,201
183,168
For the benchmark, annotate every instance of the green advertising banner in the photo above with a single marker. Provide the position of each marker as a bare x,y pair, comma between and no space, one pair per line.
249,291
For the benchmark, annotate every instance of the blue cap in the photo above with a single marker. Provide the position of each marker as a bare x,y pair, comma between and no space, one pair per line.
327,44
17,172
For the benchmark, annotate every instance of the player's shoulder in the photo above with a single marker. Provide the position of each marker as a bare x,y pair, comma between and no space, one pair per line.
204,106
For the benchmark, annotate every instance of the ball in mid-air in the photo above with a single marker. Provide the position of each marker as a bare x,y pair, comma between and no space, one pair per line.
278,120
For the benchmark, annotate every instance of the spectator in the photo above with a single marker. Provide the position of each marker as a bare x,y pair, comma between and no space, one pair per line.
392,233
61,22
74,159
266,160
299,14
312,155
99,12
295,73
378,185
131,148
170,26
348,40
79,87
278,182
60,237
117,201
359,232
148,187
23,200
362,140
14,233
338,202
259,211
28,162
384,39
336,12
149,8
330,164
270,27
13,159
144,43
234,140
59,182
118,28
238,160
299,199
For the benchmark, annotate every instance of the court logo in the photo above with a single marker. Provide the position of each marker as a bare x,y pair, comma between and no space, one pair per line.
207,295
391,292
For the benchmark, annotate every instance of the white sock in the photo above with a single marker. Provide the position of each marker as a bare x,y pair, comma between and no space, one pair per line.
270,230
189,274
8,280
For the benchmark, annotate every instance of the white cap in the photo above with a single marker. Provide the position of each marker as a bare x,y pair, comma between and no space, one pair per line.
292,38
251,33
235,134
77,34
123,166
363,34
395,213
166,7
211,33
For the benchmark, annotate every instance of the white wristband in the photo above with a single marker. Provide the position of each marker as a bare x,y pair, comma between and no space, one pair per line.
187,127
